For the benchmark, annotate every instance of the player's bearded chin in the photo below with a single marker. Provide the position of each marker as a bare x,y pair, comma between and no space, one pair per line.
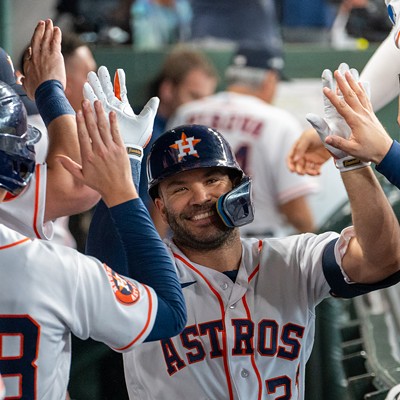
217,233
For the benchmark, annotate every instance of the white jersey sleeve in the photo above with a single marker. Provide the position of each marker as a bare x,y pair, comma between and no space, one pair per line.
381,71
25,213
48,291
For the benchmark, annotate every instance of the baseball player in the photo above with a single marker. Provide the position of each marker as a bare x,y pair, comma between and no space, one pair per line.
48,291
251,303
259,134
53,192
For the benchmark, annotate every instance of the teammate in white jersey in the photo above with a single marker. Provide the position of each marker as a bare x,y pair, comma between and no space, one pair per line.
251,303
53,192
48,291
260,135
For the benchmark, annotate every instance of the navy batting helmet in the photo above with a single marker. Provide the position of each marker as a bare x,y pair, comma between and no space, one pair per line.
188,147
17,153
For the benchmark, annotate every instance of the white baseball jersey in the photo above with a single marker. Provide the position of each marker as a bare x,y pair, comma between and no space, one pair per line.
48,291
261,136
248,339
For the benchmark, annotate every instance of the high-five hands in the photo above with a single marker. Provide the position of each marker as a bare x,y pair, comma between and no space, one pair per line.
335,102
136,130
367,140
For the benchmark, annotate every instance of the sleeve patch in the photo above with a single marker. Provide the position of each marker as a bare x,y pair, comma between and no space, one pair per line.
125,291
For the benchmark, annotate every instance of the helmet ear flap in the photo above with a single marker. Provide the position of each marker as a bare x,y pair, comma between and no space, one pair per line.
235,208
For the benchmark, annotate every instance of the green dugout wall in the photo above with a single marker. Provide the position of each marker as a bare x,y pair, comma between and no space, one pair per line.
302,61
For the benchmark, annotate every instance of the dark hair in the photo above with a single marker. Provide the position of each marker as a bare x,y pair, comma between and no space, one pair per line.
178,63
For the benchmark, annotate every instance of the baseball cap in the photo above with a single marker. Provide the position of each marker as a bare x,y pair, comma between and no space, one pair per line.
257,58
7,75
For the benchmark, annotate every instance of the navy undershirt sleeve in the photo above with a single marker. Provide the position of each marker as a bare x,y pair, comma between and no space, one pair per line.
125,238
335,278
390,165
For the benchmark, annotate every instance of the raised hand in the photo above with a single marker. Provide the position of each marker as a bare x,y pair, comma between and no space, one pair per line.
333,122
368,140
43,59
136,130
105,165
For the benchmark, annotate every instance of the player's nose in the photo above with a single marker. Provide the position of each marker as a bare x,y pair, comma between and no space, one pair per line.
199,194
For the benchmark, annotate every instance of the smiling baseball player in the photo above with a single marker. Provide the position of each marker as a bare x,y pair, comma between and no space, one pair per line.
251,303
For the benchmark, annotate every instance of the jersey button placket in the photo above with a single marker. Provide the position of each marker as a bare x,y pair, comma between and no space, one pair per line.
244,373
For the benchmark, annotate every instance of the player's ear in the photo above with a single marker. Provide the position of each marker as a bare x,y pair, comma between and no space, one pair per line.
159,204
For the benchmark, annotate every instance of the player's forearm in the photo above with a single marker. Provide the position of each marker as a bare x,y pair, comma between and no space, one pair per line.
375,253
150,263
299,215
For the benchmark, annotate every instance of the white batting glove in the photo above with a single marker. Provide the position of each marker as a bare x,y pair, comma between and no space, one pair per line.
136,130
393,8
334,124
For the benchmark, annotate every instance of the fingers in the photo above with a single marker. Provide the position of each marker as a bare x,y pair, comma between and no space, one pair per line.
37,37
56,41
120,85
71,166
83,135
115,134
150,109
94,129
103,127
47,35
96,86
339,143
88,93
105,82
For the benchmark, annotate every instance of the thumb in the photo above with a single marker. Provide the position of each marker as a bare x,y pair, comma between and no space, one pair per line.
150,109
319,124
335,143
71,166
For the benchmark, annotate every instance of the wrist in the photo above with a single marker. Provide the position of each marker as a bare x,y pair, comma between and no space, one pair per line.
116,197
386,145
134,151
51,101
350,163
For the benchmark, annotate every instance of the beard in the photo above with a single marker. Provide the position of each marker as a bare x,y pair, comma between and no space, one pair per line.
217,234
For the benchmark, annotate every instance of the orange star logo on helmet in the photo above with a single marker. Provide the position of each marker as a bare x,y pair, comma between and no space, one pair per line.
185,146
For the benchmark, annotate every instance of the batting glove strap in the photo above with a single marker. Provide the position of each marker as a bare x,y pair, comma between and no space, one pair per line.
134,151
349,163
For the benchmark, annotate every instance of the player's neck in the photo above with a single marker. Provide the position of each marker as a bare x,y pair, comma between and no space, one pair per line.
225,258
